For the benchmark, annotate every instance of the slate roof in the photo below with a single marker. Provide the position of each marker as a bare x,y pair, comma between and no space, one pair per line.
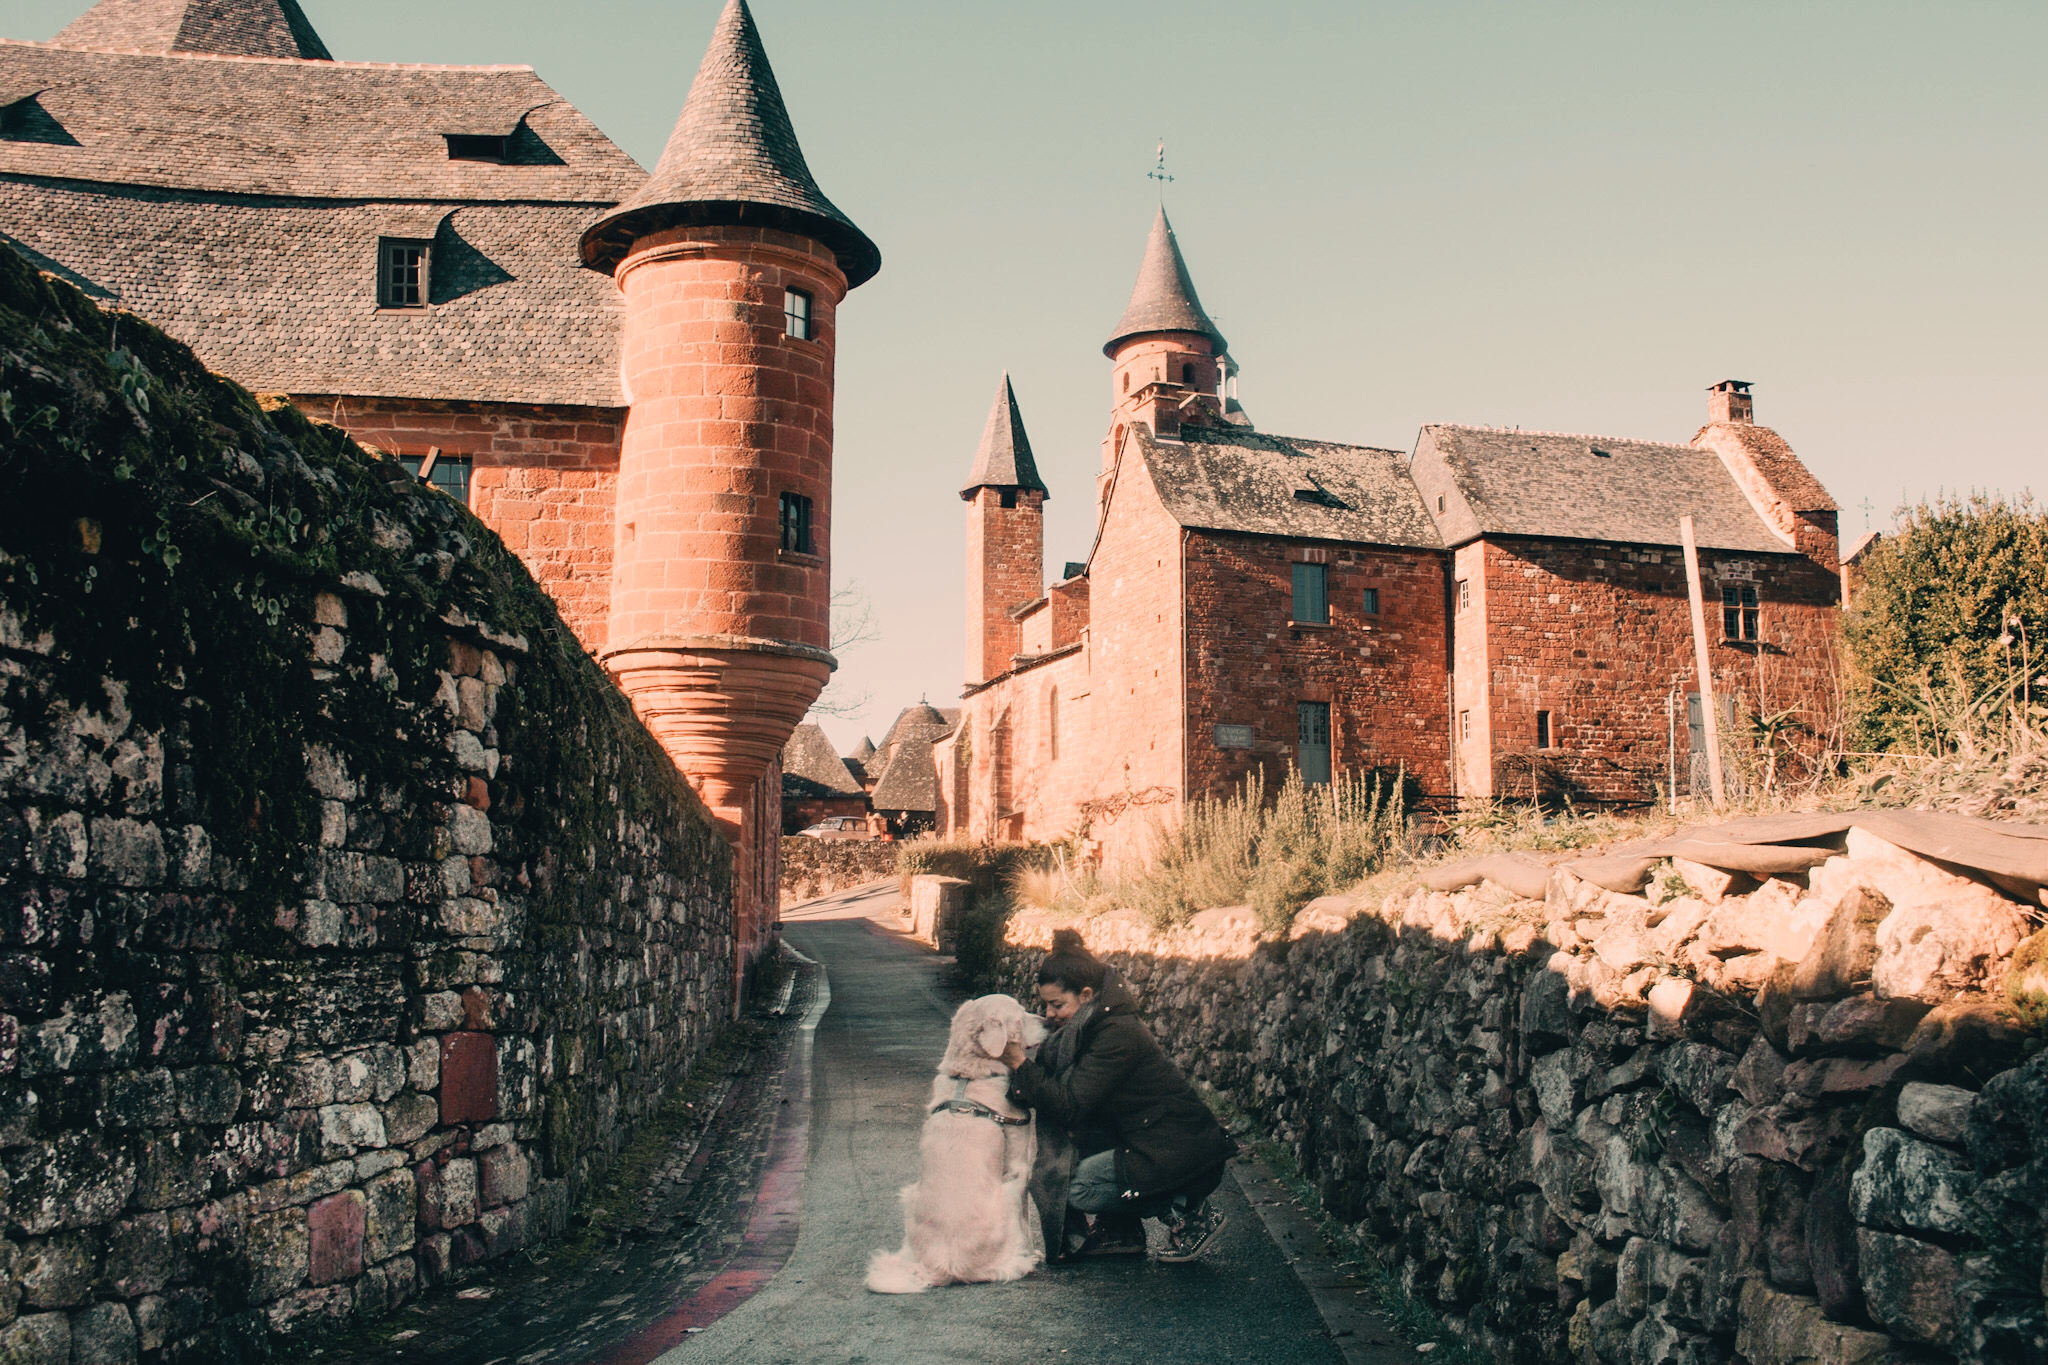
1164,297
734,158
863,751
237,202
808,759
1003,460
910,718
281,293
314,130
1234,479
911,781
239,28
1573,487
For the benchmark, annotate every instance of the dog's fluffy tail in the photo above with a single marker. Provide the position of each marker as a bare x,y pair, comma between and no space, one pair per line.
896,1272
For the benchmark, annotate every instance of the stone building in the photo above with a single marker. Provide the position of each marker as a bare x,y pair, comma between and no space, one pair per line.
1495,613
816,783
629,377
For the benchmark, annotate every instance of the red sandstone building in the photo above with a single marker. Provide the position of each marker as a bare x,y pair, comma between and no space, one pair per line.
629,377
1495,613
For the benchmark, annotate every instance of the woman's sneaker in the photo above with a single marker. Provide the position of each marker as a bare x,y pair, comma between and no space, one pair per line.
1190,1235
1115,1235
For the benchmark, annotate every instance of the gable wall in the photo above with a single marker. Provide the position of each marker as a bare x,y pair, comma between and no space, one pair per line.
1597,633
545,479
1384,676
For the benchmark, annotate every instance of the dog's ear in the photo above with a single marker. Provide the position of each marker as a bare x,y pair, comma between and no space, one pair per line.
991,1036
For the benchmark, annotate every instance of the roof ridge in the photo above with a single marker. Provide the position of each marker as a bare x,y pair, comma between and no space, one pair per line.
323,64
1573,435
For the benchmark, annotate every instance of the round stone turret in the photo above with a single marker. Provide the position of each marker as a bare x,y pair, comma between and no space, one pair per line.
732,263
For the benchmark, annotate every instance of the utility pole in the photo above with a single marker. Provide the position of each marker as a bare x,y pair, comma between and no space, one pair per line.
1702,660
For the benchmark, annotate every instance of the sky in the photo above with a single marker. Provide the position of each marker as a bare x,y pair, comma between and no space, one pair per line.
1567,217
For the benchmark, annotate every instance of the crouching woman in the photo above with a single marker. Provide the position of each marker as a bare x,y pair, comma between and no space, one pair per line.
1150,1147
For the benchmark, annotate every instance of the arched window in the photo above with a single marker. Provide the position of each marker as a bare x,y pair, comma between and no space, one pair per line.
1127,381
1052,719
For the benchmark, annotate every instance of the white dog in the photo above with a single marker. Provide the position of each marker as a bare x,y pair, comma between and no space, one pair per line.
968,1218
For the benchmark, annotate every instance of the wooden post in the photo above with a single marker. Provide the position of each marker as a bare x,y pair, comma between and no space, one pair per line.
1702,663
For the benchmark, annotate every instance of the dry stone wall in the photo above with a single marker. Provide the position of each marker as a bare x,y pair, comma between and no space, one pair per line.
821,867
1835,1151
349,922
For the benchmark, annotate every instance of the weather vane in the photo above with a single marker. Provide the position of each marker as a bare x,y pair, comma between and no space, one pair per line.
1866,513
1158,171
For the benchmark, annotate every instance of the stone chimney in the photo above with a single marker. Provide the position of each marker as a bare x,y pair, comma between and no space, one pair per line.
1729,401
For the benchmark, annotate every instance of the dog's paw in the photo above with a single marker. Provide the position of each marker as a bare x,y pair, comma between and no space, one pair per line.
892,1272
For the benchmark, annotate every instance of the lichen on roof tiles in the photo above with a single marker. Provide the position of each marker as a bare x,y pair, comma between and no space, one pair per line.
1233,479
237,28
808,756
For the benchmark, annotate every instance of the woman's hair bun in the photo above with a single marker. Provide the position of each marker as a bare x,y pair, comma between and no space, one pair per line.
1067,943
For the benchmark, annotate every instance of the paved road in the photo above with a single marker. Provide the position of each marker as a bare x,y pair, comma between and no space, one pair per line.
874,1050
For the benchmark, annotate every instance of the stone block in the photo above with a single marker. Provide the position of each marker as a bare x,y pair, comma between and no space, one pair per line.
103,1334
37,1339
423,1065
58,1271
72,1182
1760,1077
1970,1031
310,1309
408,1117
502,1174
276,1254
1831,1248
1776,1328
164,1318
10,1279
1940,1112
1710,884
1698,1073
503,1230
469,1078
935,906
1907,1185
208,1094
302,1187
336,1227
1909,1286
90,1035
138,1099
469,829
1844,952
350,1126
128,853
447,1194
138,1256
172,1168
391,1214
436,1258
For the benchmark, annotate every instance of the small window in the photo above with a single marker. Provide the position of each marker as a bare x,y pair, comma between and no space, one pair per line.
1439,502
1738,611
1311,594
1464,725
796,524
796,314
1127,381
401,274
1543,736
1006,497
1313,757
1464,593
1052,720
1187,375
449,473
1371,604
476,146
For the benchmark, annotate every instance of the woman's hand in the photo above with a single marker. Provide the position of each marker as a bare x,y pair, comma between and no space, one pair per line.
1013,1054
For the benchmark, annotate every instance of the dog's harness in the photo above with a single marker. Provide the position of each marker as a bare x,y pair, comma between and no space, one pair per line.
960,1104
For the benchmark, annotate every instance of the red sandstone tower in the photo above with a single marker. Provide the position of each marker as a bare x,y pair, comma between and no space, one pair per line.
1005,538
732,263
1167,361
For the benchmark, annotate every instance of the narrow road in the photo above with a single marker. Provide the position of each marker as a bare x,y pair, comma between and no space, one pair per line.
874,1050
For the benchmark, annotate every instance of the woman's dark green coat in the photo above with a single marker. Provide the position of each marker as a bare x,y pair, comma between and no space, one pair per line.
1122,1085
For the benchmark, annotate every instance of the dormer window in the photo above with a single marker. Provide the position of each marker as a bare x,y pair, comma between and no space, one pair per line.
402,273
14,116
489,147
796,314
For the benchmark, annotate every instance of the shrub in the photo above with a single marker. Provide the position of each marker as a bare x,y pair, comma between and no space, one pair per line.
1948,626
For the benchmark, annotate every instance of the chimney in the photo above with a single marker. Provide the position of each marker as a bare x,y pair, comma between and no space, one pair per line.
1729,401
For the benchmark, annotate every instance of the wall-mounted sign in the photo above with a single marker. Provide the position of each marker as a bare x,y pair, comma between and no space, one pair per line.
1233,736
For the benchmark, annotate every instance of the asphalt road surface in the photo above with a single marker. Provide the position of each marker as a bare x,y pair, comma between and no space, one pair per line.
874,1049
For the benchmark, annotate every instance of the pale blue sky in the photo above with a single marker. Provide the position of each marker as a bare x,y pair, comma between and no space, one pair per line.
1564,216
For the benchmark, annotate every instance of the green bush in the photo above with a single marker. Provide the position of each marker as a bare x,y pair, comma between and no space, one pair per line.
1948,627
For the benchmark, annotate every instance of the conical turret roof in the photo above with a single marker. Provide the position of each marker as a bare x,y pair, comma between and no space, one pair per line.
1003,459
863,751
1164,300
733,158
222,28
